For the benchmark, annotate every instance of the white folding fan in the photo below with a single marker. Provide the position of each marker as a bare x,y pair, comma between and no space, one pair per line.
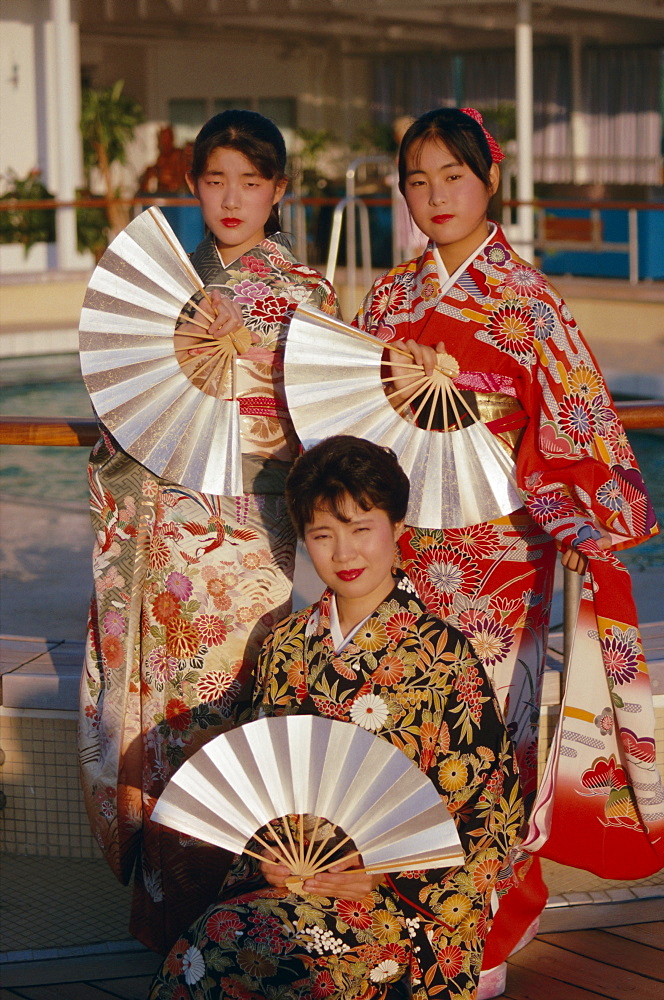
303,765
155,398
335,378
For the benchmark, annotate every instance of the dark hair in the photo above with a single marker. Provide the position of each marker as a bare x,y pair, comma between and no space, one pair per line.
463,136
344,466
251,134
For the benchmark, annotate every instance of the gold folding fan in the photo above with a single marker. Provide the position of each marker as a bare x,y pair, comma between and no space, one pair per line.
145,305
306,766
335,384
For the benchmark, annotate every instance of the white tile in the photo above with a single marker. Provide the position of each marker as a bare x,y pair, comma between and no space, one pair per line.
554,902
620,895
577,898
648,891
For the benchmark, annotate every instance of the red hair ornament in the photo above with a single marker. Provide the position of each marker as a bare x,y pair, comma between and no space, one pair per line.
496,152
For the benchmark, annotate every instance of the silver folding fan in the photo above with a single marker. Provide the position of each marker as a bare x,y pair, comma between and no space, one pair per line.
334,379
307,766
158,401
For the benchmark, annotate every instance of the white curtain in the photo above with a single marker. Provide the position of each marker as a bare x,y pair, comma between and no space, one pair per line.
621,88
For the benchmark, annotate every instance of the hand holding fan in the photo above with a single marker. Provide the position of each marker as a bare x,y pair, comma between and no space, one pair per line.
334,379
304,765
159,402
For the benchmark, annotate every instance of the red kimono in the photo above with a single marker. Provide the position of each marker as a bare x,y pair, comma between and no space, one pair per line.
538,388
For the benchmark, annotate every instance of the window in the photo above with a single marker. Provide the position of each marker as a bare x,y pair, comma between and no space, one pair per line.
188,114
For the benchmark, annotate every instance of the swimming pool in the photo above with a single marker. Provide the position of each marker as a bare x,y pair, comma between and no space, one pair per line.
52,386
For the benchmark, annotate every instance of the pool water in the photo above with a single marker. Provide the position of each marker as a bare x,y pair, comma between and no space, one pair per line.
49,386
52,386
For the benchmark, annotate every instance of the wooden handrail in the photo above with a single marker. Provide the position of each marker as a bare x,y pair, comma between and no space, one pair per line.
82,432
56,431
641,414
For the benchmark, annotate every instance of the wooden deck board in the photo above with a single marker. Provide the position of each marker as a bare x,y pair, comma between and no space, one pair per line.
135,988
616,963
66,991
558,962
619,952
78,970
651,934
527,984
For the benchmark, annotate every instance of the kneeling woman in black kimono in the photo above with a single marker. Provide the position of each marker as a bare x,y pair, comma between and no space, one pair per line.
368,653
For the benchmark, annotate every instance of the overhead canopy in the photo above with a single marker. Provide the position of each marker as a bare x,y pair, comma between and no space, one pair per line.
375,28
378,25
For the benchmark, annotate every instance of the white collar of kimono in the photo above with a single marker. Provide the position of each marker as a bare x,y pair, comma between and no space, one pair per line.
447,280
223,263
339,640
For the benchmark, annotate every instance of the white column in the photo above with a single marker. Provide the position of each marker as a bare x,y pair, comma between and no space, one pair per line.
68,139
524,126
578,122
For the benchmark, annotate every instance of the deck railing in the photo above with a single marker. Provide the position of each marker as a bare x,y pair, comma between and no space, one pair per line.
82,432
554,232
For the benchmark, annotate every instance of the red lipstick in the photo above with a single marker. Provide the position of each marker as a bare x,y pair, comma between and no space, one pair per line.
438,219
350,574
231,223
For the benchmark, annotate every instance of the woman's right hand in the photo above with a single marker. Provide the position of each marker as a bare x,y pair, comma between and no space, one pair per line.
404,379
577,561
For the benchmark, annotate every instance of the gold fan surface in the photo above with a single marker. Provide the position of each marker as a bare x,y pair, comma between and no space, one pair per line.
130,367
457,478
306,765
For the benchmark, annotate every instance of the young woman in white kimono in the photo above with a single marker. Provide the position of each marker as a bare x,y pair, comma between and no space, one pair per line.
187,585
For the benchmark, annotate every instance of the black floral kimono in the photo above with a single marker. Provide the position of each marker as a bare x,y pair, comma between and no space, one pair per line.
415,682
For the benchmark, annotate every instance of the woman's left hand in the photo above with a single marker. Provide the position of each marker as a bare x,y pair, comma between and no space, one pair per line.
343,881
577,561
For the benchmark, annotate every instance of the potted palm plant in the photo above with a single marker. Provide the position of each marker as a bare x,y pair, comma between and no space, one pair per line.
108,120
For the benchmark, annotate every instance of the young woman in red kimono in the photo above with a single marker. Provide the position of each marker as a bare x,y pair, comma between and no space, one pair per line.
529,375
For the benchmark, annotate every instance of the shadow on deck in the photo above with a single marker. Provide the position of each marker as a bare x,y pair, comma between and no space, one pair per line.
625,962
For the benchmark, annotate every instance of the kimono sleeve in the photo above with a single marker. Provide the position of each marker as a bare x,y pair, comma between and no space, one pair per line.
326,299
471,762
575,465
279,671
387,298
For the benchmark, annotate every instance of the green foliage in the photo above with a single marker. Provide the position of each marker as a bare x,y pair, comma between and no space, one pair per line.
91,228
26,226
313,143
374,137
37,225
500,121
108,121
